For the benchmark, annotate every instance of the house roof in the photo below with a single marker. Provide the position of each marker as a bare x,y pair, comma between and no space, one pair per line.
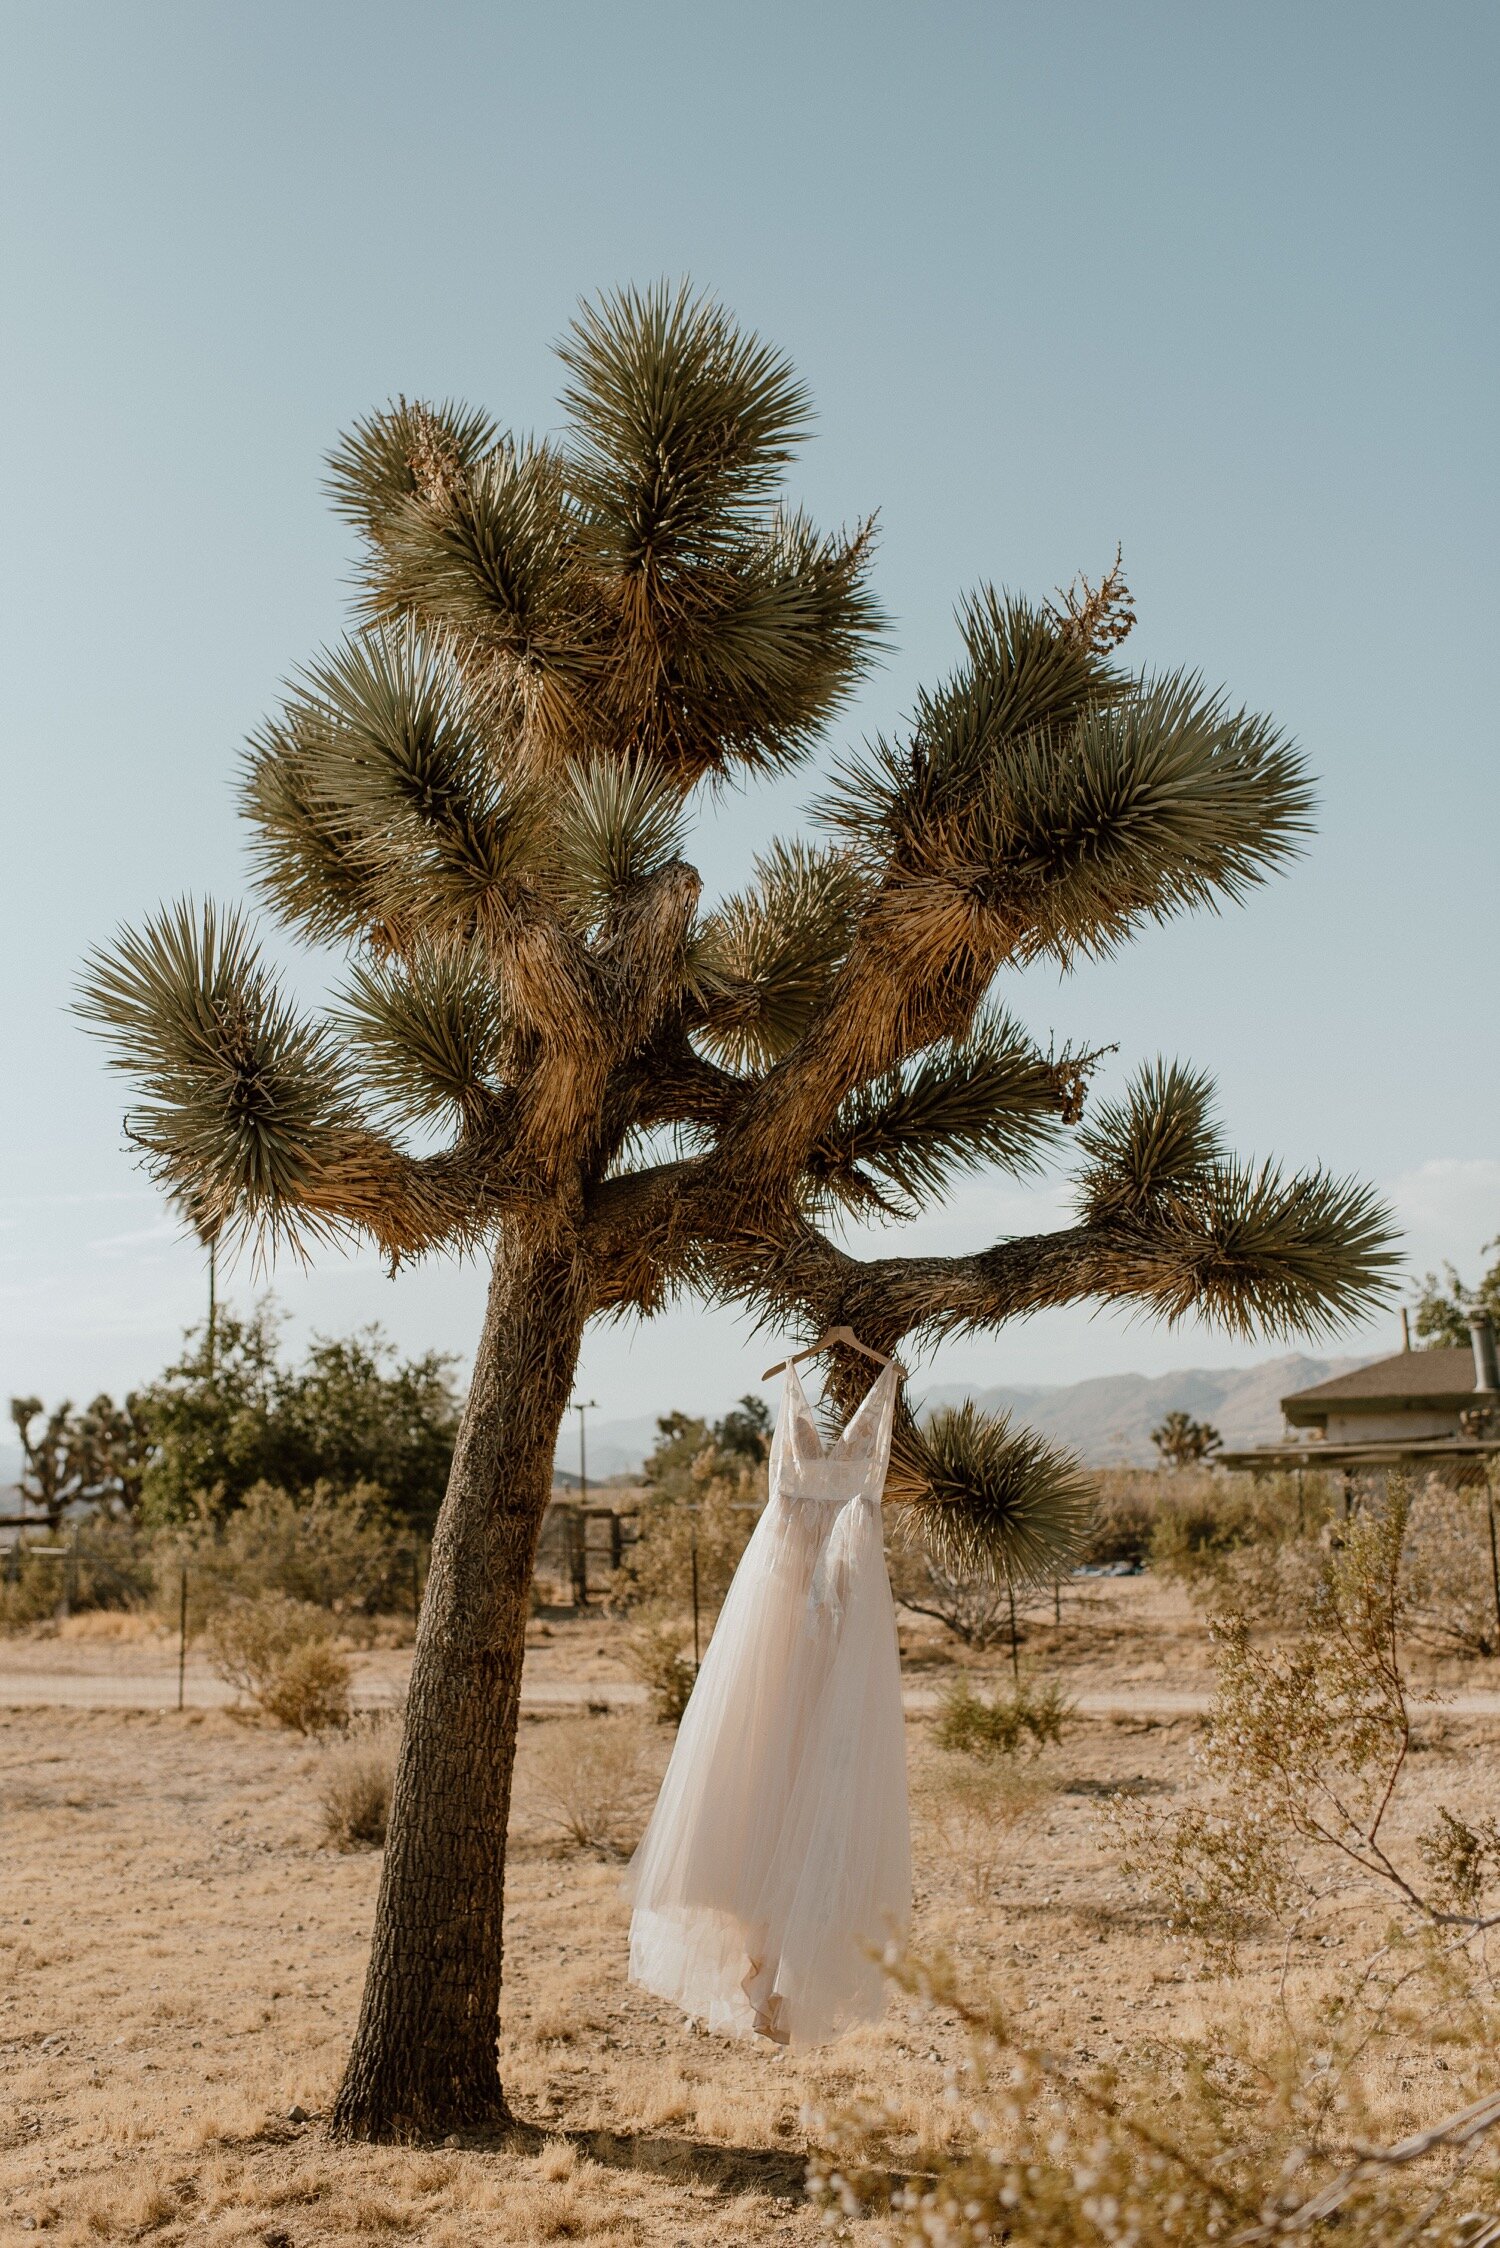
1412,1377
1394,1451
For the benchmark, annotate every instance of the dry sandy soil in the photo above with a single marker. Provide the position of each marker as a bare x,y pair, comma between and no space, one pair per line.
181,1953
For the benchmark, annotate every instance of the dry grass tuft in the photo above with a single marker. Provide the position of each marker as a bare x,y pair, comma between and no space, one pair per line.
355,1792
110,1625
594,1778
972,1810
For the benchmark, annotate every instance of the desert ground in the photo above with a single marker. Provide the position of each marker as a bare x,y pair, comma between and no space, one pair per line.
181,1950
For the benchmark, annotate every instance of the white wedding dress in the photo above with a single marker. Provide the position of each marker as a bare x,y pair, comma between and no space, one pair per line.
779,1850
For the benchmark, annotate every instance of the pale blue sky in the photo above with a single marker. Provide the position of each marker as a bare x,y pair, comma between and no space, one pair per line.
1219,284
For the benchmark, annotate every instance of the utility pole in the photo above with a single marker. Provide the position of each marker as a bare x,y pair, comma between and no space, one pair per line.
582,1406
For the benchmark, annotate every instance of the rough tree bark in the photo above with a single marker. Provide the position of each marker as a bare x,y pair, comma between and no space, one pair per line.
424,2058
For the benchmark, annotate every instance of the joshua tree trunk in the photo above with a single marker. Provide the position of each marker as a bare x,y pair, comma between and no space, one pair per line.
424,2058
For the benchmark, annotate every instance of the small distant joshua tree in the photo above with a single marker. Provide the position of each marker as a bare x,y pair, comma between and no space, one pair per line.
1184,1442
547,1054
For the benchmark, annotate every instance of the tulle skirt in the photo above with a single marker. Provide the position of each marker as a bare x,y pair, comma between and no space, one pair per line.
777,1861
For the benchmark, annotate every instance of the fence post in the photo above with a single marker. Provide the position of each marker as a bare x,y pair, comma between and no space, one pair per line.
182,1637
416,1588
696,1663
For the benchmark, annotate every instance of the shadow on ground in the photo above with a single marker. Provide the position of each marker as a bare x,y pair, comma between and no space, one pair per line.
776,2172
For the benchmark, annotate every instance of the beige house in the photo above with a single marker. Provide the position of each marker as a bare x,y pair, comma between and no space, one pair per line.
1435,1410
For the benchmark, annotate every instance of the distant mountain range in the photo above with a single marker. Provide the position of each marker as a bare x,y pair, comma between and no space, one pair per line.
1106,1420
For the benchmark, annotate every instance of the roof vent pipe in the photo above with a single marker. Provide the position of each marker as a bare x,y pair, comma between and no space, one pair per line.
1486,1366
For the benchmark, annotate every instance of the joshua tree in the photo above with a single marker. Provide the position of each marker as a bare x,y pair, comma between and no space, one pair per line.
1184,1442
482,796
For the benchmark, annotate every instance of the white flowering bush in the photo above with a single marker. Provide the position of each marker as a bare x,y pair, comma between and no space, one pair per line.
1056,2159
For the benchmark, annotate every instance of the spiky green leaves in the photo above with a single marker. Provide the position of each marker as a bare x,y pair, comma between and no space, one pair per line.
1260,1253
1161,1139
739,627
1184,1227
378,811
615,825
1022,675
407,452
681,426
486,554
987,1499
1166,801
987,1098
765,960
1044,804
491,556
636,590
240,1097
425,1037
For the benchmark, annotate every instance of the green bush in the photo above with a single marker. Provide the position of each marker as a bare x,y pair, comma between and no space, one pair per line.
225,1420
1033,1716
326,1548
657,1654
277,1653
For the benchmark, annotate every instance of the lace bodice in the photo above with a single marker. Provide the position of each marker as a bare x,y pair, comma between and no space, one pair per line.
853,1466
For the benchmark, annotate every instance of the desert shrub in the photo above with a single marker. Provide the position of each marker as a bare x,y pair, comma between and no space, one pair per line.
1200,1517
704,1486
108,1568
977,1609
277,1653
594,1778
1124,1519
713,1504
323,1548
1217,1870
1250,1546
1034,1716
354,1791
658,1654
30,1588
308,1690
114,1567
1451,1593
1051,2155
1306,1756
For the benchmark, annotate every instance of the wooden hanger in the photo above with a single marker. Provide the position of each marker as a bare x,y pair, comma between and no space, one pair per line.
826,1341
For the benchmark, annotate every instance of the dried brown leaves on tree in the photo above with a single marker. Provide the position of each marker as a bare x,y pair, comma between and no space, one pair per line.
1097,617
